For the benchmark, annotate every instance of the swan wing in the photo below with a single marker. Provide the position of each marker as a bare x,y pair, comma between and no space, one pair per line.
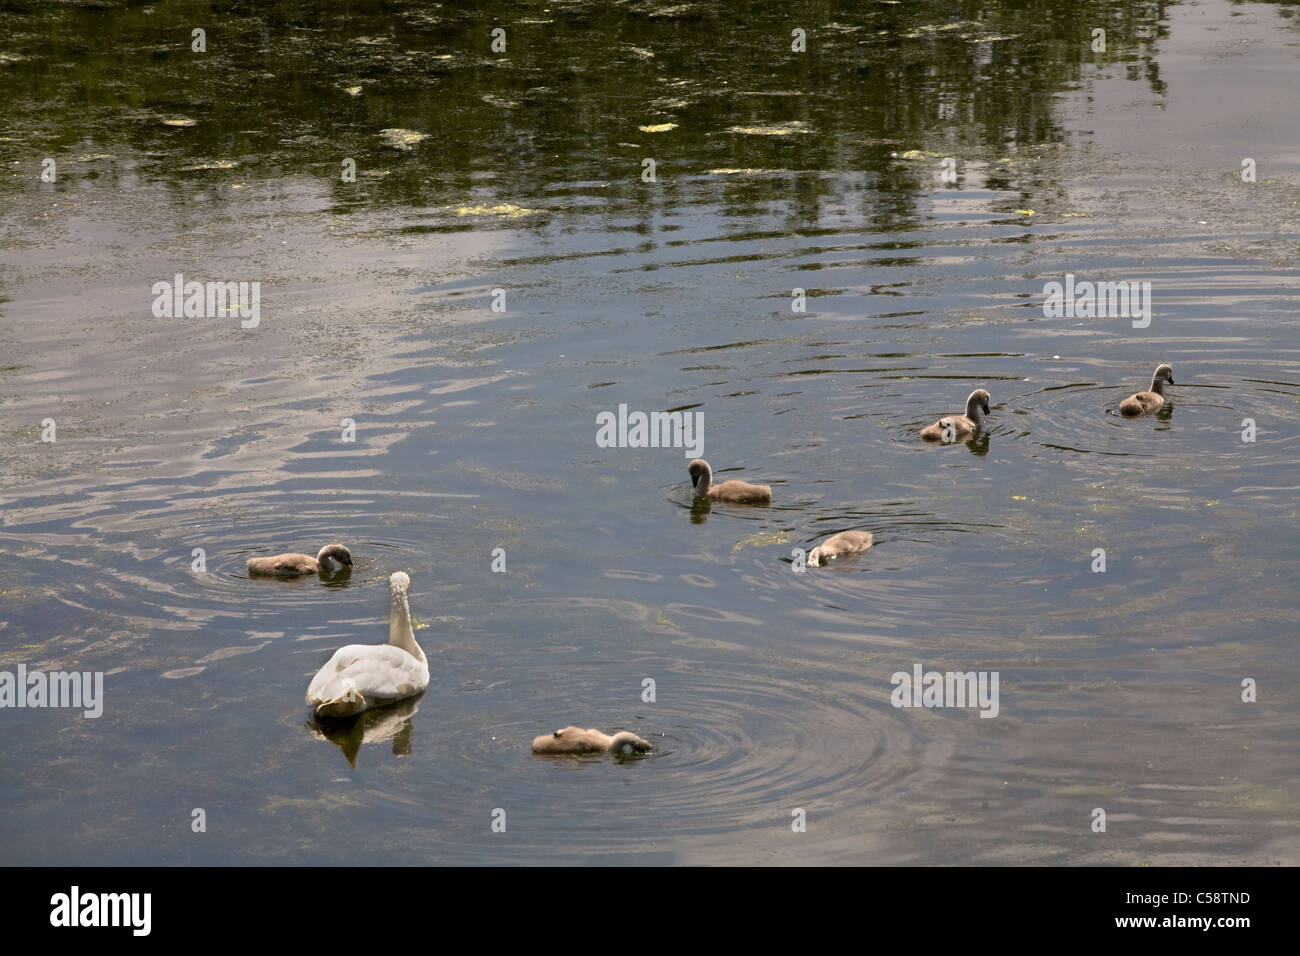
378,672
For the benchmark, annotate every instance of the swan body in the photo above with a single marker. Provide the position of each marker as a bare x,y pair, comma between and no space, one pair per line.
361,676
331,558
739,492
575,740
960,426
1144,403
839,546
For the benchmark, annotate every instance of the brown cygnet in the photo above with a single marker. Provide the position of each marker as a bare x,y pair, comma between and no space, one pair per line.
330,559
839,546
739,492
1144,403
956,427
575,740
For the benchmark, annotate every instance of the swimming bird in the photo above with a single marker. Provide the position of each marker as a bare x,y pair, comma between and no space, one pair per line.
361,676
953,427
330,559
1144,403
575,740
740,492
839,546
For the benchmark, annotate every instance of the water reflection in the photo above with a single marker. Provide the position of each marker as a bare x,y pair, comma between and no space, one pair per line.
338,578
371,726
732,101
979,443
700,509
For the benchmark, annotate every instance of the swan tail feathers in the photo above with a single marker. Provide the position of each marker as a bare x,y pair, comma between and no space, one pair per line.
344,704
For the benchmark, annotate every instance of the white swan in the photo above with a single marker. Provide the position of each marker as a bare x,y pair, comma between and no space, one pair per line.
575,740
361,676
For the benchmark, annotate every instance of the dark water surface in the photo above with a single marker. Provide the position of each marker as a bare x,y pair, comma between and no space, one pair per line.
476,429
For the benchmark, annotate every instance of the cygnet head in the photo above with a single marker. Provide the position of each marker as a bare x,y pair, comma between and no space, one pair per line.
399,581
701,476
334,556
976,403
1164,375
627,740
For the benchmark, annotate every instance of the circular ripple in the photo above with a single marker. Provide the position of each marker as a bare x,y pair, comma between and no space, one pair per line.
736,746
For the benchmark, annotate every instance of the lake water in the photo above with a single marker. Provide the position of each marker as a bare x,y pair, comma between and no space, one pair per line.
523,170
